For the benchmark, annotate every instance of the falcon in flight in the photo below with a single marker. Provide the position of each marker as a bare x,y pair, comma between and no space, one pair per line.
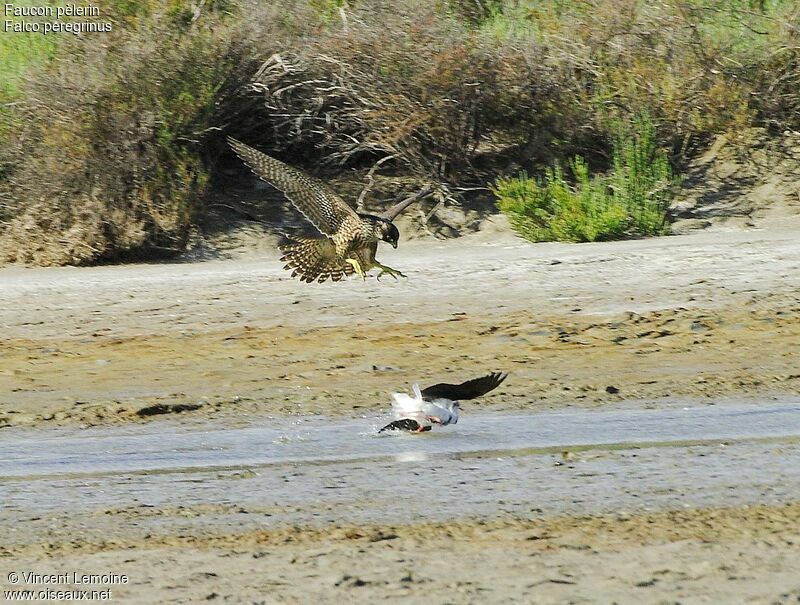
437,404
350,239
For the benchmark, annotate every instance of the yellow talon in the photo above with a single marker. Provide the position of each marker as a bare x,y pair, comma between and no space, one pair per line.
384,269
357,267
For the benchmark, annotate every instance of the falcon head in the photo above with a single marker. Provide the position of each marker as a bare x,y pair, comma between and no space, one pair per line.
388,232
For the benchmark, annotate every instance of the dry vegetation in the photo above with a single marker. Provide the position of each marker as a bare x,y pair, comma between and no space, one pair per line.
111,146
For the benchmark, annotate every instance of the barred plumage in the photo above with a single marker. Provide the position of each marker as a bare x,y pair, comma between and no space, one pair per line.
318,203
351,239
314,259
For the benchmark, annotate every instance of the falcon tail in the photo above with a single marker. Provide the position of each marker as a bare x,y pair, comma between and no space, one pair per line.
314,259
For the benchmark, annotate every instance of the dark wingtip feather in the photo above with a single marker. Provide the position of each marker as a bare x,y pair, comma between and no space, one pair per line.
469,389
237,146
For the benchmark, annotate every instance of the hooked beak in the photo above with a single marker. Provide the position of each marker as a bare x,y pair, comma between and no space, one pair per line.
394,245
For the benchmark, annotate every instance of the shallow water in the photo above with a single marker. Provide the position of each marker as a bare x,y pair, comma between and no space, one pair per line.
317,439
339,470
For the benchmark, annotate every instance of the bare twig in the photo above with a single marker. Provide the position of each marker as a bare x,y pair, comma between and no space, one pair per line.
371,181
241,212
197,11
343,17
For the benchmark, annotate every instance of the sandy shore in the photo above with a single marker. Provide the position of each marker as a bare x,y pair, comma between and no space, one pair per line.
712,315
698,318
718,555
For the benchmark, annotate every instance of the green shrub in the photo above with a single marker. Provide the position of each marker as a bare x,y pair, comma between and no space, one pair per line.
630,201
19,54
111,161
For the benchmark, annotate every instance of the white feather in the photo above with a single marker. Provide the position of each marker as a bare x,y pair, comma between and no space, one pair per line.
404,406
416,408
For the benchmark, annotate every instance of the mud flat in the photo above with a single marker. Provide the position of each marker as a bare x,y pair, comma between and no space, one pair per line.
207,428
689,504
710,315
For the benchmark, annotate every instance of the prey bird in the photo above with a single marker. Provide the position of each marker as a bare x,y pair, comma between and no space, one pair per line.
349,239
437,404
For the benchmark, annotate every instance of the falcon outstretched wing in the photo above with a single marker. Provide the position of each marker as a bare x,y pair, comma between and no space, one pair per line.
318,202
466,390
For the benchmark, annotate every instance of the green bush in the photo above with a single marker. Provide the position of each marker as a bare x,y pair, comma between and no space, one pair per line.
630,201
109,160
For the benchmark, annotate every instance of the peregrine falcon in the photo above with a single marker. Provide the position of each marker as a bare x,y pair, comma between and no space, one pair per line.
350,239
437,404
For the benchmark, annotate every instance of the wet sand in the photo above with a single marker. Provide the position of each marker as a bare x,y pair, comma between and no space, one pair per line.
288,514
711,555
711,315
690,320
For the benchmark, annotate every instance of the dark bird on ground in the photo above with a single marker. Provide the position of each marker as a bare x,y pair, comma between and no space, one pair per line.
437,404
350,239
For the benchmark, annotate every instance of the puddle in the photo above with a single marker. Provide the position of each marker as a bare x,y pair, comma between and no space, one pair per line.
339,470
